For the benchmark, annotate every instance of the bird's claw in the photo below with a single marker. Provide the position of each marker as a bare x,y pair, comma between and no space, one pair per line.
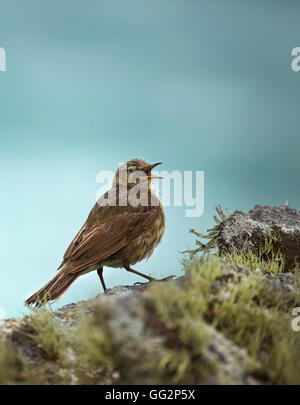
140,283
154,279
167,278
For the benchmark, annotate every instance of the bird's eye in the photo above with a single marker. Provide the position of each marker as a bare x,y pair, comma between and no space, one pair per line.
130,169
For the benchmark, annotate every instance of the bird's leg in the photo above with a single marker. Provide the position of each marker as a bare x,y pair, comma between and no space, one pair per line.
138,273
100,274
145,276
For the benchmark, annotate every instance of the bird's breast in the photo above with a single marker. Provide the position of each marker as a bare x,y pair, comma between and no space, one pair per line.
142,246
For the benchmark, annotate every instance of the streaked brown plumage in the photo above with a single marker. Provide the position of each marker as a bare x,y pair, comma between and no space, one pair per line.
113,236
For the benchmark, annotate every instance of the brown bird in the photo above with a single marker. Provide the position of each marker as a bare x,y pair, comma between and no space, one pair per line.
123,228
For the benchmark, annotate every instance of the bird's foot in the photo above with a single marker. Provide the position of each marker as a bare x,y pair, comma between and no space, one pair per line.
167,278
155,279
140,283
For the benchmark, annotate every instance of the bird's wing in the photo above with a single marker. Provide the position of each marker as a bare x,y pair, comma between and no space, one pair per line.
99,240
99,213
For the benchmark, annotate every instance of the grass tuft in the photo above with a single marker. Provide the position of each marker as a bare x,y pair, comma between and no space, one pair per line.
9,364
252,316
267,259
183,310
213,234
94,352
242,305
46,333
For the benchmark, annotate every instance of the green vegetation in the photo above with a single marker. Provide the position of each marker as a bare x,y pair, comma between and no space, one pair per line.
44,343
254,315
249,310
183,310
213,235
9,367
267,259
241,297
46,333
243,306
239,303
93,350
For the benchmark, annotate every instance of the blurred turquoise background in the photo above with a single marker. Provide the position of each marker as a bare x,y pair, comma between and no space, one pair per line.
198,85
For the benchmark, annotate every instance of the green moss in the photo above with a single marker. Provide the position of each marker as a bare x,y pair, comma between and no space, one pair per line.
44,373
252,316
94,352
46,333
94,339
241,304
256,315
183,310
15,368
267,259
9,365
220,293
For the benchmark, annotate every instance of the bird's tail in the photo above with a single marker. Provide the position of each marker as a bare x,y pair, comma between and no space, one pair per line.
53,289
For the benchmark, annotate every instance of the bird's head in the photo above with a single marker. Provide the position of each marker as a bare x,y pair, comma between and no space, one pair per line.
134,171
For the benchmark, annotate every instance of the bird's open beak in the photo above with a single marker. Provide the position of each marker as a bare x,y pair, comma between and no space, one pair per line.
149,169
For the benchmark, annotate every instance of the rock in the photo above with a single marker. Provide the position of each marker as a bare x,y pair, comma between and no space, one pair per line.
137,342
249,231
138,338
220,323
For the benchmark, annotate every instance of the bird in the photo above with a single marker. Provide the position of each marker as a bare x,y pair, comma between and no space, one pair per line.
123,228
